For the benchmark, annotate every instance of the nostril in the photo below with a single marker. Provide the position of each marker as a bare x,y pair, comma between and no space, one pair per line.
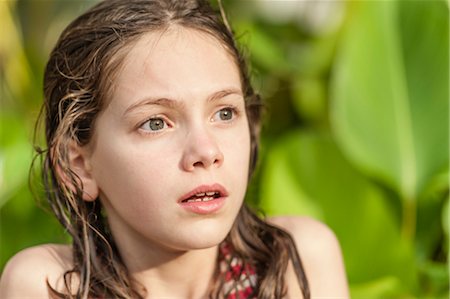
203,164
198,164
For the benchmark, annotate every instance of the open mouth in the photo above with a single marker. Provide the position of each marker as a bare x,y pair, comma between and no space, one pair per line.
204,193
205,199
203,196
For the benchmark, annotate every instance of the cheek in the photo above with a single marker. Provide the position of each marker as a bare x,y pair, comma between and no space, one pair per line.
238,145
122,170
236,151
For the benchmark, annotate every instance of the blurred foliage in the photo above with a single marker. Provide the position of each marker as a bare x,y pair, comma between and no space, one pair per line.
356,131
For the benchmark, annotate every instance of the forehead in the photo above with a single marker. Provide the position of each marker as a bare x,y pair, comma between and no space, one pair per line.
178,62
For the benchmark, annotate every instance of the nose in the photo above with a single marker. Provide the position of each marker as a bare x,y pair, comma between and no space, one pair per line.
201,151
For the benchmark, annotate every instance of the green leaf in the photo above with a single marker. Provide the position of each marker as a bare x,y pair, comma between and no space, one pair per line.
446,223
390,91
309,99
385,287
435,278
305,174
265,50
389,95
15,156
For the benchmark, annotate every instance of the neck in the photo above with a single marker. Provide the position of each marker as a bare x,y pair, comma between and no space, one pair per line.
185,274
165,272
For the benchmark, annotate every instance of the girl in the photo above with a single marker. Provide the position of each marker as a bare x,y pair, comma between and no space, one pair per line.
152,128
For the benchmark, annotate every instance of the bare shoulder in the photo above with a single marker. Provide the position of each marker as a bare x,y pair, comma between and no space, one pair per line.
26,273
320,254
308,233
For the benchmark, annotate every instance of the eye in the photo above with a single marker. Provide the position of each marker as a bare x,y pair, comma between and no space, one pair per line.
154,124
225,114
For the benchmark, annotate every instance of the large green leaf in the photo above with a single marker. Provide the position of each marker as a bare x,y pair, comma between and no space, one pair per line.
385,287
306,174
390,91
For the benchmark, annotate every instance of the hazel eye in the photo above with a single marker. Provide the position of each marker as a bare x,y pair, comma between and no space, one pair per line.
154,124
225,114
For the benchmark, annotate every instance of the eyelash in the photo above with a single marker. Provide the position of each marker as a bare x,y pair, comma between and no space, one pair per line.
234,110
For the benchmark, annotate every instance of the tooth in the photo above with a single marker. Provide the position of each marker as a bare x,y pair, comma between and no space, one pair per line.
210,193
199,199
200,194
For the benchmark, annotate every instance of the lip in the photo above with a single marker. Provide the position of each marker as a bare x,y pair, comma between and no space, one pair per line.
205,207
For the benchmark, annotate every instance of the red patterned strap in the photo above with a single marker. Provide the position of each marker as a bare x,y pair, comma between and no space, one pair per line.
239,277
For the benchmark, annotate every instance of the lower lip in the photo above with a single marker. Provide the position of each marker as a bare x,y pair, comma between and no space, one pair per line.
204,207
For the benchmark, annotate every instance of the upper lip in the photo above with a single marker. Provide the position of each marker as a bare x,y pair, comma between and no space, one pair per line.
204,189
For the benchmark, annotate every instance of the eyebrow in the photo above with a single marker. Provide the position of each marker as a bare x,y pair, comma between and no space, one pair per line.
172,103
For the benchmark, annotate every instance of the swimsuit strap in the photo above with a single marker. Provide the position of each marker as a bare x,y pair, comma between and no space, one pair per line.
240,278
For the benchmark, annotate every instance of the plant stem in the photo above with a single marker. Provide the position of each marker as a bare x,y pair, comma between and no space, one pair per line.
409,219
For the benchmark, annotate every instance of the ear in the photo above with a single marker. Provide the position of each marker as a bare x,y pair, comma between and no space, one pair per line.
79,163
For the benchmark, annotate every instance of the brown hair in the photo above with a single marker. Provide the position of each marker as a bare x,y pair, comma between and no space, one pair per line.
77,80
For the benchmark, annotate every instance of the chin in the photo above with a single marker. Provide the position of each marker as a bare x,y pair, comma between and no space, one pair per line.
205,237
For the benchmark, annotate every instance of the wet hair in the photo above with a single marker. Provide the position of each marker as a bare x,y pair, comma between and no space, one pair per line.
77,84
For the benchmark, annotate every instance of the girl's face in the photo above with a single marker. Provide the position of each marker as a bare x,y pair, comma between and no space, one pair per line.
170,152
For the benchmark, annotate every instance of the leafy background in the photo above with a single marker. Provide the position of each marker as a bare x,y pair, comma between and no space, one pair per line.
356,131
